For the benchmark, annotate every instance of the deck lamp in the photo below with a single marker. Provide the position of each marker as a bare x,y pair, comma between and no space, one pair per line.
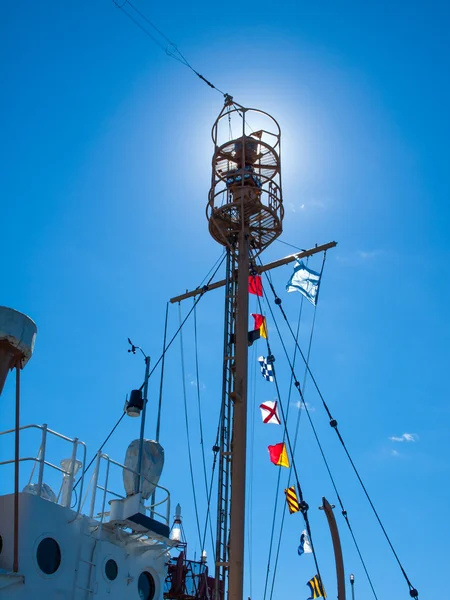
135,404
175,533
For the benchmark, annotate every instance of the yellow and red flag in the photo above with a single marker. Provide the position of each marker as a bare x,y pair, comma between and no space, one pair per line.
260,323
278,455
292,500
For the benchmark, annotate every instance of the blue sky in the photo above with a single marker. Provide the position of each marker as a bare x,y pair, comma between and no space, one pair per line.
106,153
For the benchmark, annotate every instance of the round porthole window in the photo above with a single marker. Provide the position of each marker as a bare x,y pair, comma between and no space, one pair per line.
48,556
111,569
146,586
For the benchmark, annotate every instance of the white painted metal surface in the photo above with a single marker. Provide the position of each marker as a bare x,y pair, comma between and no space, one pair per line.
152,466
18,330
97,556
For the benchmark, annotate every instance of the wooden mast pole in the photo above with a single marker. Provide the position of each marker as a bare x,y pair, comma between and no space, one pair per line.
239,439
328,509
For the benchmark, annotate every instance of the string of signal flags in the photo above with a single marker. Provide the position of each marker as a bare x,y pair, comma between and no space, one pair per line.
307,282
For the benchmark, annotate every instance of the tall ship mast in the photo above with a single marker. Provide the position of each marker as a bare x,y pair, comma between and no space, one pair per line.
67,528
245,213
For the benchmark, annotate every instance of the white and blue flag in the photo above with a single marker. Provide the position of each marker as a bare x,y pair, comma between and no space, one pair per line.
305,545
266,368
304,280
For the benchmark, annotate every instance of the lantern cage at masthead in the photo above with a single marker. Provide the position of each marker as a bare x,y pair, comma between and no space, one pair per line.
246,178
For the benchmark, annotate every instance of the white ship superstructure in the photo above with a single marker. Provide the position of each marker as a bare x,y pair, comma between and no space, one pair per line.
91,540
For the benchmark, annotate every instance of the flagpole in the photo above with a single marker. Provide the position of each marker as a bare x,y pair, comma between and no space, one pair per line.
328,509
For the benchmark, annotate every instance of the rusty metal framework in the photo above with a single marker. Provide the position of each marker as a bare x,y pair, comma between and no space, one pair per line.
187,580
226,419
246,178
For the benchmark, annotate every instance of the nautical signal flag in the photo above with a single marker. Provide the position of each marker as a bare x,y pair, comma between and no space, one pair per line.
260,323
278,455
255,285
269,412
316,587
304,280
292,500
266,368
305,544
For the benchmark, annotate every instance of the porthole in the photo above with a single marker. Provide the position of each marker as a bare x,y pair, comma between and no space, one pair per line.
146,586
48,556
111,569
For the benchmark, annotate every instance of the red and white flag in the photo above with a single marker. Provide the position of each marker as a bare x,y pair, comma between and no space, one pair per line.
269,412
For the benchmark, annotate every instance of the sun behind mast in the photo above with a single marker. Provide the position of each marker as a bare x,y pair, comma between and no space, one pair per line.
246,178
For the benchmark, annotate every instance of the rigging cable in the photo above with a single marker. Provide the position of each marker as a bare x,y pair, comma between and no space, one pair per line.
291,245
200,296
187,431
304,404
333,423
170,48
158,419
277,492
208,511
297,426
250,461
303,505
200,420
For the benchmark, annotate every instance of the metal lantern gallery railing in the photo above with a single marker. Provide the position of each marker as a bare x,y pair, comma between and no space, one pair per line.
246,178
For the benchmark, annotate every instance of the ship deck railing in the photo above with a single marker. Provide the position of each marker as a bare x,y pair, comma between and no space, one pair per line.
78,452
95,485
43,473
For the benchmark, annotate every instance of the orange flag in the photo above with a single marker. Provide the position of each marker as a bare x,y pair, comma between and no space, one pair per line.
278,455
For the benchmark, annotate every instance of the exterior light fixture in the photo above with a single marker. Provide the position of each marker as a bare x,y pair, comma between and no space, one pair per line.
175,533
135,404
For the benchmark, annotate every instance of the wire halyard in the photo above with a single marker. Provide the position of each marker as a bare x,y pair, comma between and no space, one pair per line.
163,42
186,419
200,419
303,505
333,423
165,349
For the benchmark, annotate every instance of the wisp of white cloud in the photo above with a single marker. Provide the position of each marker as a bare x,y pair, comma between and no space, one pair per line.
406,437
299,405
365,254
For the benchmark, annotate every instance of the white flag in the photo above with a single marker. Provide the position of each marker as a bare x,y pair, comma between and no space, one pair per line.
269,412
304,280
305,544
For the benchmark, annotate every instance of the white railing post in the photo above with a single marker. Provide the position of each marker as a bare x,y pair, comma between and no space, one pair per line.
105,491
95,483
41,459
68,499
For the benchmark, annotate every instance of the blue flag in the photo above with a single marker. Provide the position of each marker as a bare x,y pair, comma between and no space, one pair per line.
266,367
304,280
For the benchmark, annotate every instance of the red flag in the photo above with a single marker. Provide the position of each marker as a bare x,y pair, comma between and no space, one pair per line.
255,285
260,323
